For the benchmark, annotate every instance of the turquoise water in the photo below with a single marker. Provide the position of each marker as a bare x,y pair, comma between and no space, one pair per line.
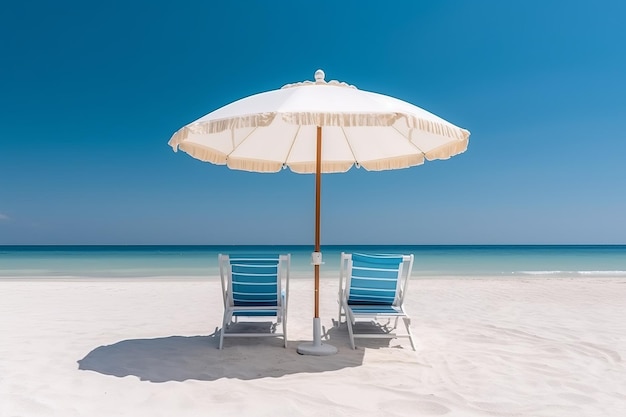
198,261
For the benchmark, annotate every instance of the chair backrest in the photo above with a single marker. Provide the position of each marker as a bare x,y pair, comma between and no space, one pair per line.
377,279
252,280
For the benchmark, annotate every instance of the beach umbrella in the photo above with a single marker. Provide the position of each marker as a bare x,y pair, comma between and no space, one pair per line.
319,127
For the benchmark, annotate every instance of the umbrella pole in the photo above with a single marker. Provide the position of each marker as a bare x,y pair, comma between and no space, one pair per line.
318,206
317,348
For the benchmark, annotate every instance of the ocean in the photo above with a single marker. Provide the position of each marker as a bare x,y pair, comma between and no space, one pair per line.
437,261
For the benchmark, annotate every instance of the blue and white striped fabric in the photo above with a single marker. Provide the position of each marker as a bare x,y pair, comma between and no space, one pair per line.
254,282
372,289
252,287
374,279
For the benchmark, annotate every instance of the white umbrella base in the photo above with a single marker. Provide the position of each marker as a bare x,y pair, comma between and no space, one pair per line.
316,348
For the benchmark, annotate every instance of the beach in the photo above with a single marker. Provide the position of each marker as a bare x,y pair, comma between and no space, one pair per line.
143,140
486,346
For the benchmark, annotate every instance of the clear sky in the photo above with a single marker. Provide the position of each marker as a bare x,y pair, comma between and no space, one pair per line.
90,93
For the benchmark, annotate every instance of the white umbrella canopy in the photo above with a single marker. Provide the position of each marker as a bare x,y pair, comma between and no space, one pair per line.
319,127
277,129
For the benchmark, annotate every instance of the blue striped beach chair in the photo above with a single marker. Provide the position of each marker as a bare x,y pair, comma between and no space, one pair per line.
372,288
255,287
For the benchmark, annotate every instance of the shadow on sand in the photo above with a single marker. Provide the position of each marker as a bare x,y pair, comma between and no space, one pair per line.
179,358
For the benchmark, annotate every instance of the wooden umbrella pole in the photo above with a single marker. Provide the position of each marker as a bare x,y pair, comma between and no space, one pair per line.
317,348
318,195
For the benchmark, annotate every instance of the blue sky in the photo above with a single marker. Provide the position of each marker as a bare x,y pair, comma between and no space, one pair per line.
90,93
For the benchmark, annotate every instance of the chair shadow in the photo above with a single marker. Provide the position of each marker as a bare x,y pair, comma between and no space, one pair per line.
181,358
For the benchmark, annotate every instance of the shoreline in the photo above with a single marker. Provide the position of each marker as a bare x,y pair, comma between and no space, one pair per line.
326,277
199,261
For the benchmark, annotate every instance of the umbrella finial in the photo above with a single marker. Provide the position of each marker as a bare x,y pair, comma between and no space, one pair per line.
319,76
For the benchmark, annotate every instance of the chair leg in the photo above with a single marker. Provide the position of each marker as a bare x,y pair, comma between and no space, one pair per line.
407,324
351,334
339,315
285,330
225,321
349,322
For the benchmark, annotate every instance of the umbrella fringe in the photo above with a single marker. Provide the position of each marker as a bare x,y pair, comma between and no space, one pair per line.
393,163
317,119
339,119
254,165
437,128
210,155
327,167
202,153
448,150
216,126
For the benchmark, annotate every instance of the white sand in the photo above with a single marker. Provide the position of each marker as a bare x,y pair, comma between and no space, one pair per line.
486,347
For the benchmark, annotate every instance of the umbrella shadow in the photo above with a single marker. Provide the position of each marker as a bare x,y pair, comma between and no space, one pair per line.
181,358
